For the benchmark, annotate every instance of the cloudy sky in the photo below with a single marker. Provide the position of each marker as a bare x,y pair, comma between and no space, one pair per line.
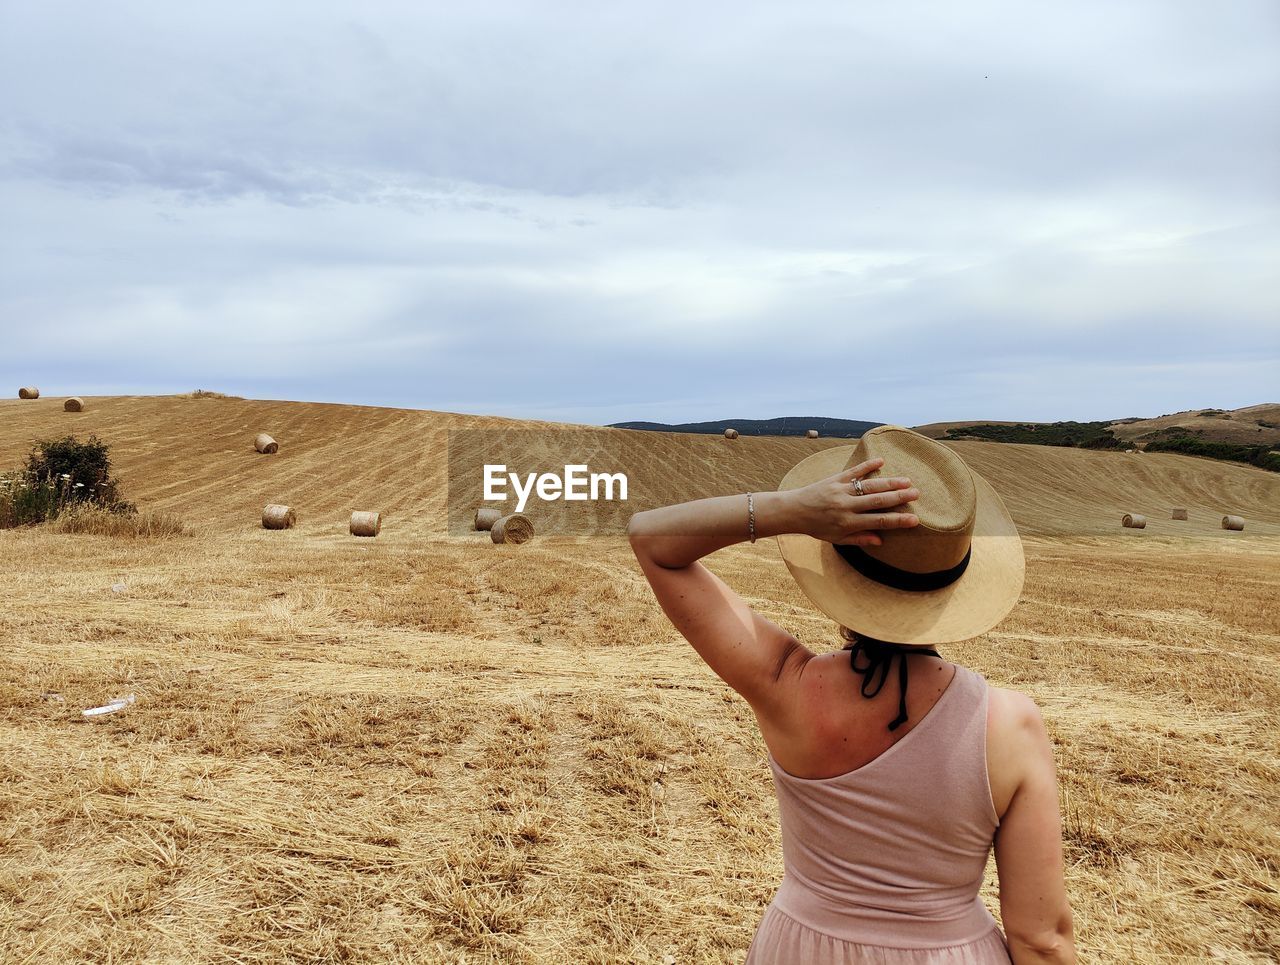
594,212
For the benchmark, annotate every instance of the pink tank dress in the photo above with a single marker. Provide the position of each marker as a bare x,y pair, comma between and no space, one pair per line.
883,864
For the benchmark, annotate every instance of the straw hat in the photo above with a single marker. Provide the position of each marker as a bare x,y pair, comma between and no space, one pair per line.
952,577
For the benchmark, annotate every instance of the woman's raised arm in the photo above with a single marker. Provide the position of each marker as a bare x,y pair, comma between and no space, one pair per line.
747,651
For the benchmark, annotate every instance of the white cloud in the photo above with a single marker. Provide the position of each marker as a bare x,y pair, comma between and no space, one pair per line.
679,212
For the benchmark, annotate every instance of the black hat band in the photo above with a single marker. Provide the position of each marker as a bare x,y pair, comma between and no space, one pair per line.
891,576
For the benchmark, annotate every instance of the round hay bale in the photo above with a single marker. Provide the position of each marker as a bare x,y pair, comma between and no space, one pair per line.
1235,523
1179,513
28,392
811,434
1133,521
486,516
275,516
731,433
515,528
73,404
366,523
264,443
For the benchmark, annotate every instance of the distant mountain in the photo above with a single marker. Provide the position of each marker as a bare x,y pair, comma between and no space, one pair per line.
1249,435
1253,426
785,426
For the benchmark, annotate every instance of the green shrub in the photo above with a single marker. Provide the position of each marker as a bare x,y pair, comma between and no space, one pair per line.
1170,432
1261,456
1084,435
80,471
61,476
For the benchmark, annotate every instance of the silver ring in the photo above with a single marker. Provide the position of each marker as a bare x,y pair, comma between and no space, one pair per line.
857,487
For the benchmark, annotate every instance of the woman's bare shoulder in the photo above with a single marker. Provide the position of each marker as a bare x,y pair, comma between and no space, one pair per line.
1011,711
1015,733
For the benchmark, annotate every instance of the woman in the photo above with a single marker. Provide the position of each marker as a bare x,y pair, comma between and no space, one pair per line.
892,788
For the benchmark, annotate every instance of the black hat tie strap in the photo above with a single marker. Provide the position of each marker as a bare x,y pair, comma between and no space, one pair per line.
878,657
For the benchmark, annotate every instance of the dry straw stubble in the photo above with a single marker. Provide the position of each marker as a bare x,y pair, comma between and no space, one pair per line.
514,816
97,521
515,528
276,516
1134,521
265,444
486,516
366,523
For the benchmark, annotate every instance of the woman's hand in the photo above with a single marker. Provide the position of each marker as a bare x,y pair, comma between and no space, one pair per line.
832,511
752,655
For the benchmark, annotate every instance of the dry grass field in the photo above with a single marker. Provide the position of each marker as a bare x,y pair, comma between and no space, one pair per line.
425,747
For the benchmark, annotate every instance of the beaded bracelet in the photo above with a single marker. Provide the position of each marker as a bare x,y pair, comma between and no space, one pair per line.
751,516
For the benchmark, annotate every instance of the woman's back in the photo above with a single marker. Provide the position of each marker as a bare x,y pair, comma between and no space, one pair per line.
906,854
892,854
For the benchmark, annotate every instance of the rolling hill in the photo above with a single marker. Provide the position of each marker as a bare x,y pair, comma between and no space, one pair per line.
194,457
1252,425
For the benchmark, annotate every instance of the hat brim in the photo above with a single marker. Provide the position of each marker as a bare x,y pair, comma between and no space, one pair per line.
975,603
